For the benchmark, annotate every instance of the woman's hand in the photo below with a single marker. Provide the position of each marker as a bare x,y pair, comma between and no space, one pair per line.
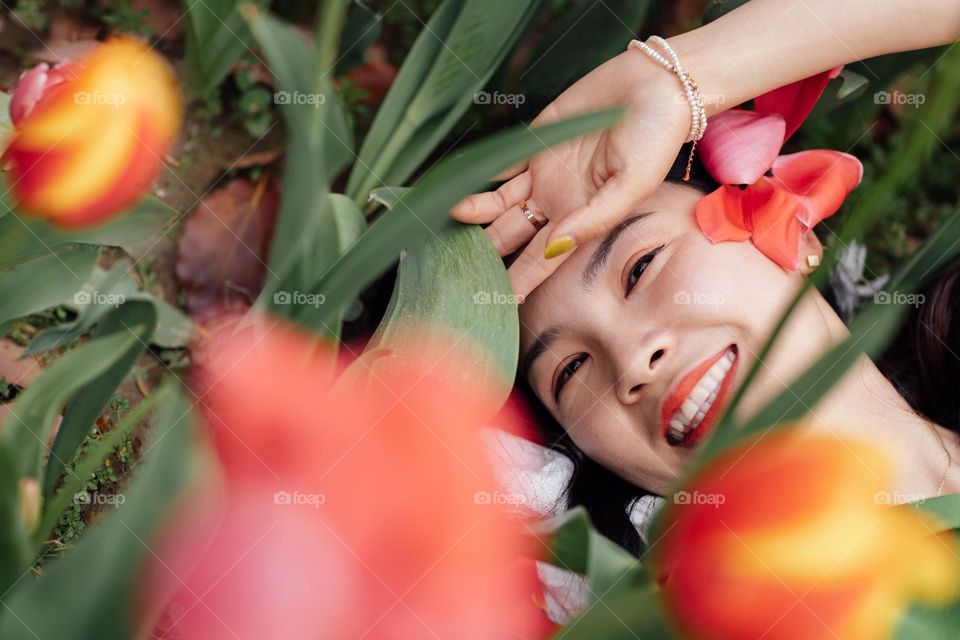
585,186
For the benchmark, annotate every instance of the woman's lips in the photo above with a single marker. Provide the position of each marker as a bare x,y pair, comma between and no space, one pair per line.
682,391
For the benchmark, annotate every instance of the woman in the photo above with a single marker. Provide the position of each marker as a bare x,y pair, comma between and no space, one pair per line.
637,342
640,334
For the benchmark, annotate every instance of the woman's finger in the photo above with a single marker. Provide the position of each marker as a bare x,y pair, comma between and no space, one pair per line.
511,231
608,206
530,269
484,207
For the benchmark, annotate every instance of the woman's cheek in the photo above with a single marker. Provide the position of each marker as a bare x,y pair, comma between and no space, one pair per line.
729,283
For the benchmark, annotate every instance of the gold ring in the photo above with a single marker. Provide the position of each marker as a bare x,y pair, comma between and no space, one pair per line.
537,222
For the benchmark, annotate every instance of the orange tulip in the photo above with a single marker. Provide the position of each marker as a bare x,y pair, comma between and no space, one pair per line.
350,511
89,137
785,538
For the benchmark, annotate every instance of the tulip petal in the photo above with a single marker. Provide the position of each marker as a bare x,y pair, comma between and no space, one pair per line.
820,179
720,215
739,146
776,231
793,102
27,93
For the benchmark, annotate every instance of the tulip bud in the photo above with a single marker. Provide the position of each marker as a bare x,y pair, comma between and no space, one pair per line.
90,136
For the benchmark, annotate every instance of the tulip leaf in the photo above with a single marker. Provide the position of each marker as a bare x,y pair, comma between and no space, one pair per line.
946,509
109,557
930,623
319,144
628,613
455,55
424,209
75,481
456,285
23,238
104,291
216,37
90,401
576,546
27,427
583,37
46,281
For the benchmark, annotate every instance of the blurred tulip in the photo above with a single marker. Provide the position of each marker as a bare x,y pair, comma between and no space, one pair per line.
90,136
789,537
351,509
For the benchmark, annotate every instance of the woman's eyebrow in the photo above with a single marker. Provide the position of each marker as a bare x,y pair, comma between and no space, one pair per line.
605,249
540,346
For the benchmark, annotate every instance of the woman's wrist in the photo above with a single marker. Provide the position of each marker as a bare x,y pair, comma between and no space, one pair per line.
766,44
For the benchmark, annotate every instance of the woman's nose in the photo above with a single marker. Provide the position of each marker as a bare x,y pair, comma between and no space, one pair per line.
642,364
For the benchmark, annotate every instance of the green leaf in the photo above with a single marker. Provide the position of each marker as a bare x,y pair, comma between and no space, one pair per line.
54,506
94,584
453,58
361,30
946,509
456,284
928,623
5,125
104,291
583,37
216,37
23,238
625,615
576,546
44,282
90,401
425,208
319,144
27,427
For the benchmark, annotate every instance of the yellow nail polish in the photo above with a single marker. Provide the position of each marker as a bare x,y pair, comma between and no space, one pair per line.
558,247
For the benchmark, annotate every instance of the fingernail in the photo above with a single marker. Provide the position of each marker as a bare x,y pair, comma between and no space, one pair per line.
558,247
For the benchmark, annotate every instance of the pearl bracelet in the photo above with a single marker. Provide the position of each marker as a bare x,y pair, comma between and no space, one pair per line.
698,114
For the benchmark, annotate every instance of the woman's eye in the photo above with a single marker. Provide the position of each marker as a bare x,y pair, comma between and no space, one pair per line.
566,372
638,268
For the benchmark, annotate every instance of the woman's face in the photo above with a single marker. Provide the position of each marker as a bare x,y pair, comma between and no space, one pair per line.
638,340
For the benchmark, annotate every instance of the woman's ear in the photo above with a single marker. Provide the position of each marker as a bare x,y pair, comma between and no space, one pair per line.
811,252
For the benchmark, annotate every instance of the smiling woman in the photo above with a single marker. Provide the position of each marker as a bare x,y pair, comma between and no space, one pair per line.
633,348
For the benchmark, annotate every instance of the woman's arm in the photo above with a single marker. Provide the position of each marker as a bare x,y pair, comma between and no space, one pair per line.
766,44
585,187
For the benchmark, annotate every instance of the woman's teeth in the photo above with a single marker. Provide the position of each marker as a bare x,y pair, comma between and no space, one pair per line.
701,398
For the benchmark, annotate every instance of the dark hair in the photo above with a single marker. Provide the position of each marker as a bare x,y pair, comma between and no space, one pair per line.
922,362
607,497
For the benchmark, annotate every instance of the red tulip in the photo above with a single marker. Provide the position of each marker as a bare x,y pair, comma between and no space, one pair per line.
784,538
771,200
350,509
90,136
